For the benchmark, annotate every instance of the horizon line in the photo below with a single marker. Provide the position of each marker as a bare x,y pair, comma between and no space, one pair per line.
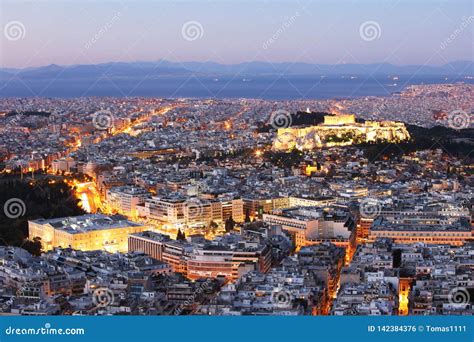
232,64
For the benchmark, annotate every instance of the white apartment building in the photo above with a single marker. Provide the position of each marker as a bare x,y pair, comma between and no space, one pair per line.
191,212
125,199
312,225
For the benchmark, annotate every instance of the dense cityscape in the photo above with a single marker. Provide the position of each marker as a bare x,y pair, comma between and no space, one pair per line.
359,206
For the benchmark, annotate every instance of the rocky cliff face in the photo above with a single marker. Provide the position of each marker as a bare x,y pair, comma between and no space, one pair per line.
308,138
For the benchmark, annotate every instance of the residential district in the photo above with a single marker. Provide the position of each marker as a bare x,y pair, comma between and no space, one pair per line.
192,208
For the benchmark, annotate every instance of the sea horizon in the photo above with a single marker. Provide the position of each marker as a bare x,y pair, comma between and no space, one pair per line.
292,87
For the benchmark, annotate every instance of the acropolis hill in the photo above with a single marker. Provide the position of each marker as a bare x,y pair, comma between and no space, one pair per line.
339,130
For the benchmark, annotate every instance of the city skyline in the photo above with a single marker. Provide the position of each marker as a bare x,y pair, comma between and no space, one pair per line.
159,206
238,158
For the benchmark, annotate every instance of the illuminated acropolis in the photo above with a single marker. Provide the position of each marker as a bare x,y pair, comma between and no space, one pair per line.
339,130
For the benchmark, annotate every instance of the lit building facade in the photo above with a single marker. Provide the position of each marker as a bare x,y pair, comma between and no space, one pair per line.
203,261
86,233
229,263
189,212
429,232
63,164
340,130
311,226
161,247
125,200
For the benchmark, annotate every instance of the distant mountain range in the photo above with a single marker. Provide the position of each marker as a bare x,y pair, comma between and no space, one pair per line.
163,68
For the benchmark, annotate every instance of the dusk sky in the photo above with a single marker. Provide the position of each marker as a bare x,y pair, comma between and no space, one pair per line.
327,32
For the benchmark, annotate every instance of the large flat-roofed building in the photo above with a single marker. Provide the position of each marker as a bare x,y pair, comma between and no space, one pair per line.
162,247
313,225
179,211
232,263
229,258
169,210
63,164
299,226
86,233
427,230
125,199
231,208
256,205
310,202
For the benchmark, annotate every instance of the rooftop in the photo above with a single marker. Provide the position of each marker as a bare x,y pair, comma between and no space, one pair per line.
383,224
87,223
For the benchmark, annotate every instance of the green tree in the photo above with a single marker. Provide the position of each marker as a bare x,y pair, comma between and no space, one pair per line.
247,216
229,224
181,236
33,246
